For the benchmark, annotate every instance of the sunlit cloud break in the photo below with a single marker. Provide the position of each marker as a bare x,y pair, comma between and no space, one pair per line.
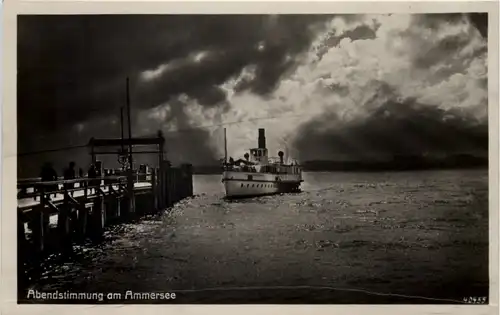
330,86
443,66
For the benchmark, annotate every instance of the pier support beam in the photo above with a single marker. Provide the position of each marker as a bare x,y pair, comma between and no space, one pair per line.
113,210
187,180
64,227
118,209
98,219
81,216
82,221
127,206
40,227
139,203
22,278
124,209
130,195
170,186
110,206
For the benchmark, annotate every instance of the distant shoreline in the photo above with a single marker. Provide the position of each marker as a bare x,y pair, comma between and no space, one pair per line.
394,170
370,170
398,164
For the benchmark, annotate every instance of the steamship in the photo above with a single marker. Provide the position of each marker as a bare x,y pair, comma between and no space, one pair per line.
258,174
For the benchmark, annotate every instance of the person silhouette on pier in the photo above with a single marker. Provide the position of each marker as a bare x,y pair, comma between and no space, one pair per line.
98,168
80,172
69,174
92,173
107,173
49,174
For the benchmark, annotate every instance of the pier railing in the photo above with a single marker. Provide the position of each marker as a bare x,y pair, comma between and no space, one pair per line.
36,189
84,206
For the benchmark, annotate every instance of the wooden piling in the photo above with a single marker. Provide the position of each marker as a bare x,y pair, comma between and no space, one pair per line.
131,205
118,209
22,243
163,184
174,181
113,210
169,191
98,218
64,226
124,207
109,209
82,222
86,215
189,179
130,195
154,189
139,203
40,226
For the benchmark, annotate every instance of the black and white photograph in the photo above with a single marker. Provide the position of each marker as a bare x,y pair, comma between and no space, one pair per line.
271,158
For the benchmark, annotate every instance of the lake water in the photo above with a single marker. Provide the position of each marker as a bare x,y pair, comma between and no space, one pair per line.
396,237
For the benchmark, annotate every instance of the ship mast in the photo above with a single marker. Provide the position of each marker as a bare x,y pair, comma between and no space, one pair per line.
225,146
121,125
129,127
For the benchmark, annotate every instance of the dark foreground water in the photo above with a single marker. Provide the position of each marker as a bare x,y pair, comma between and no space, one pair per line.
403,237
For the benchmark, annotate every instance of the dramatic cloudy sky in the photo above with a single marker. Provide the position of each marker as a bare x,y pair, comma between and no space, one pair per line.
323,86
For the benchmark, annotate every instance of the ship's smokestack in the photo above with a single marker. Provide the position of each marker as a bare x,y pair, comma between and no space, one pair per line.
280,154
262,138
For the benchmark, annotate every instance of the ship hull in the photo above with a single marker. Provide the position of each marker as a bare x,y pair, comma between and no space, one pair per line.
247,184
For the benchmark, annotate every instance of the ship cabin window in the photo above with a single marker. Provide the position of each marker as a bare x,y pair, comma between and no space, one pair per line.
257,153
268,169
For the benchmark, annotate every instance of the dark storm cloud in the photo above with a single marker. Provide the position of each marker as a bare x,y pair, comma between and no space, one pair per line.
480,21
287,37
72,69
76,65
433,21
395,128
190,144
197,79
395,125
360,32
426,54
440,51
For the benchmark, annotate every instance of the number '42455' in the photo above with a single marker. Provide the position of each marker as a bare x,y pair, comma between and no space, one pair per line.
475,299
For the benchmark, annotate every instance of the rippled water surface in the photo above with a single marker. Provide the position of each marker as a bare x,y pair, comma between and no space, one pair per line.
347,238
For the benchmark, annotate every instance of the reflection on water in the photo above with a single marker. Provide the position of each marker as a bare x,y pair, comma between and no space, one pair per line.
346,237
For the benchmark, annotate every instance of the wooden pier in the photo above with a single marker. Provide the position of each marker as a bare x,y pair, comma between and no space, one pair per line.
85,206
